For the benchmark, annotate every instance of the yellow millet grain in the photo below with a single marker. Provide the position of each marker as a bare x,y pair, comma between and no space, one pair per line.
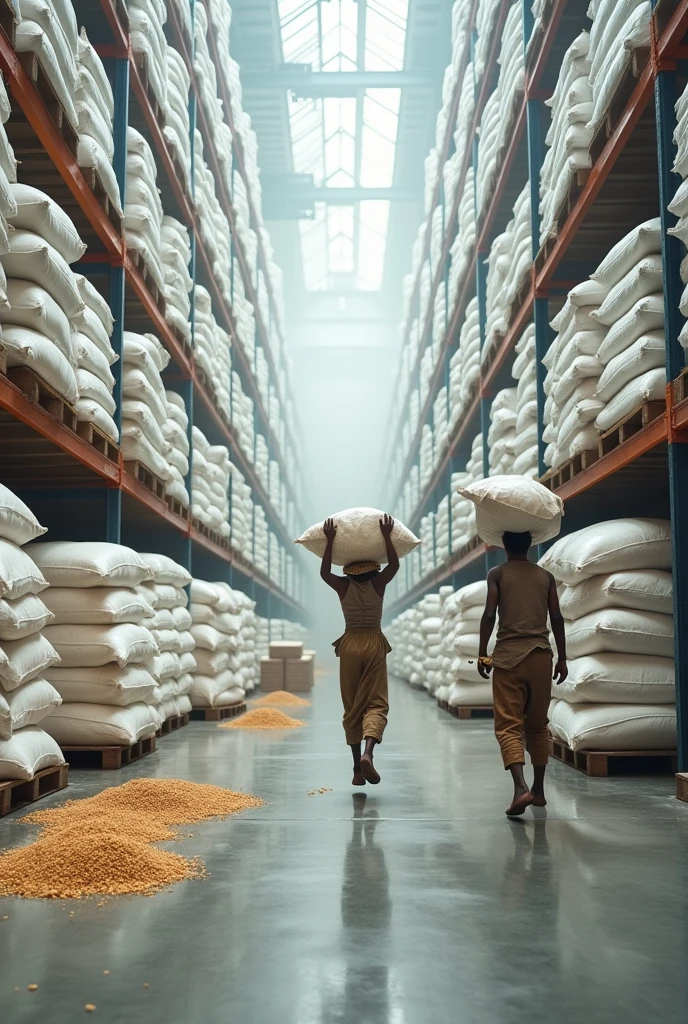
282,698
262,718
157,802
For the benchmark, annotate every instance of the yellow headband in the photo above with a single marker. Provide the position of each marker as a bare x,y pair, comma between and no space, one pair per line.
359,568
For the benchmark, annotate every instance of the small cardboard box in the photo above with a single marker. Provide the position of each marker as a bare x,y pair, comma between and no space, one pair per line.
271,674
286,649
299,674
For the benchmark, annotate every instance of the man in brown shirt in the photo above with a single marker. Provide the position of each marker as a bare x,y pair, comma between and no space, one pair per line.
523,595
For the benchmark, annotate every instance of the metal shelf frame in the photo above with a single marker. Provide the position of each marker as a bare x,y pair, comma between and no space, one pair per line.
128,504
657,83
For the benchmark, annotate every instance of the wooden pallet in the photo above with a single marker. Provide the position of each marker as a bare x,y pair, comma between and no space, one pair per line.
682,786
176,506
36,390
109,757
217,714
94,436
32,66
443,705
472,711
601,763
212,535
619,102
96,186
173,724
680,388
145,477
642,416
142,267
17,792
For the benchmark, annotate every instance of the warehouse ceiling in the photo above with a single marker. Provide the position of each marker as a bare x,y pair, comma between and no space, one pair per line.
343,96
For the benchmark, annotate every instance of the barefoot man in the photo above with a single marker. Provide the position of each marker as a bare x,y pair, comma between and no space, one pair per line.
362,650
523,594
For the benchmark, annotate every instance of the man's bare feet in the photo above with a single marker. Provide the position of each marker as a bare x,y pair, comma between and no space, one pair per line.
518,805
358,779
368,769
538,799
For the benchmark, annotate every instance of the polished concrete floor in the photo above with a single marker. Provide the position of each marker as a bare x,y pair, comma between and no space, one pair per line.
416,902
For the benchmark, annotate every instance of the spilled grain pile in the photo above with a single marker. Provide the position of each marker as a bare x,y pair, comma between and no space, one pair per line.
282,698
101,845
263,718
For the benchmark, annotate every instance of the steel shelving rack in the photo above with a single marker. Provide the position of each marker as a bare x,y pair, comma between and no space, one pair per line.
75,488
630,181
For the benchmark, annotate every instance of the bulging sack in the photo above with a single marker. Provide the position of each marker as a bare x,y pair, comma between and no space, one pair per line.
359,538
613,546
514,504
30,750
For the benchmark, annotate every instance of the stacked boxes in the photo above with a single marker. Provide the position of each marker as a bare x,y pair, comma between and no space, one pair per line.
287,668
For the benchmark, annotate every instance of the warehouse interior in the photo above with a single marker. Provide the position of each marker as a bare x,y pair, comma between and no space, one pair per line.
267,262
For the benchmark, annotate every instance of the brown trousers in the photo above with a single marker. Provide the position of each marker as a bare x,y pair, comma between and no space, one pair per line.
521,697
363,684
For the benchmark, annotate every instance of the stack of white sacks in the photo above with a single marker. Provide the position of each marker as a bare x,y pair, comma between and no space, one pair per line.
569,136
500,110
464,243
216,611
107,656
261,539
52,34
430,625
242,417
615,589
95,109
465,365
242,515
442,531
94,355
502,433
210,471
485,23
212,221
248,635
8,175
170,625
511,257
460,643
26,696
144,404
175,431
212,350
609,354
617,30
679,203
427,549
177,129
176,257
463,510
143,211
525,441
148,42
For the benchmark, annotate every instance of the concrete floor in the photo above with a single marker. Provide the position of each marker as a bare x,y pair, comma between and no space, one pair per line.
413,903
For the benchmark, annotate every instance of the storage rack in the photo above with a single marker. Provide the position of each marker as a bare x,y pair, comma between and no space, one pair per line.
630,181
82,489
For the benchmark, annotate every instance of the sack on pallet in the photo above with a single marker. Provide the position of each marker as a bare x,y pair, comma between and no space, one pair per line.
94,301
89,325
648,590
109,684
27,752
228,698
90,154
31,258
91,386
644,279
89,564
98,606
210,639
30,38
23,617
470,694
19,574
82,724
644,240
514,504
86,646
21,660
358,537
166,570
18,524
614,678
91,358
137,448
89,59
38,213
31,349
89,411
614,726
33,307
137,387
649,387
611,546
622,630
645,354
27,705
206,689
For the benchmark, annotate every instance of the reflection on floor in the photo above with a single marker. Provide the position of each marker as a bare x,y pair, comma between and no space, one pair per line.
415,902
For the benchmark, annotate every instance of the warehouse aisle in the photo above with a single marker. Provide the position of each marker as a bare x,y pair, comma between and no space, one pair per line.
413,903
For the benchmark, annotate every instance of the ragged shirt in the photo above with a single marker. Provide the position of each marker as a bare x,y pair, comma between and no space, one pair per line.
523,609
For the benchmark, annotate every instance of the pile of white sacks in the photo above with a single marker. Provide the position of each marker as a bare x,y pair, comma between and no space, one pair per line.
679,203
609,353
510,259
176,257
176,433
502,433
146,19
177,129
224,628
143,212
26,696
414,638
615,590
242,515
210,472
618,28
144,404
170,624
107,655
460,684
95,110
525,440
212,350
